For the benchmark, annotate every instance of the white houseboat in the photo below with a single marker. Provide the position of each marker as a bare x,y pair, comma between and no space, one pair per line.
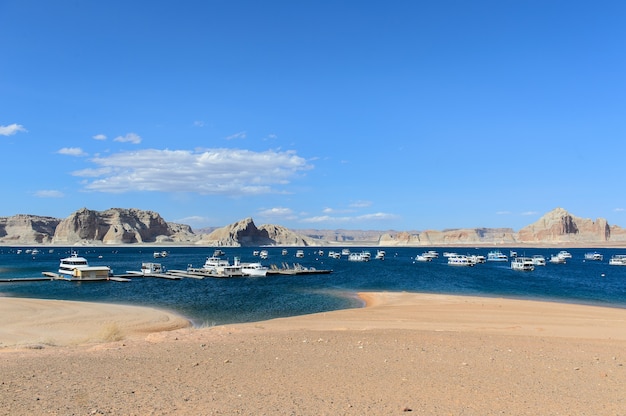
496,255
77,268
523,263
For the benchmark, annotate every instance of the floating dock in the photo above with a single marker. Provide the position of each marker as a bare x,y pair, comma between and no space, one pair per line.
296,269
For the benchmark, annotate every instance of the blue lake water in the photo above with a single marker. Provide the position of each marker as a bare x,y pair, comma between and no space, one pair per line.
228,300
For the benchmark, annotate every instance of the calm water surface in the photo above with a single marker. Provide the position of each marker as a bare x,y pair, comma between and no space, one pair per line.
220,301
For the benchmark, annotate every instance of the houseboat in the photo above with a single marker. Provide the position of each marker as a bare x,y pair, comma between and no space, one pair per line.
77,268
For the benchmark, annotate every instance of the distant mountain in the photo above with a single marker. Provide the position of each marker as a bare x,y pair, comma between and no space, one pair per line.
245,233
133,226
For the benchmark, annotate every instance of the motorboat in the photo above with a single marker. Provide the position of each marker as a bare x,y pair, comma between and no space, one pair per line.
564,254
263,254
477,258
460,260
284,252
253,269
151,269
496,255
423,258
345,252
538,260
556,259
433,254
523,263
218,252
300,254
215,264
594,256
380,255
364,256
160,254
78,268
618,260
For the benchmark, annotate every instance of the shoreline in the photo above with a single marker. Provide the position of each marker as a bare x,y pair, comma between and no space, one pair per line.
44,322
404,352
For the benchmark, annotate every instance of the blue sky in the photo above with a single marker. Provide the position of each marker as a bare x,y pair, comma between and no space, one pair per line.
405,115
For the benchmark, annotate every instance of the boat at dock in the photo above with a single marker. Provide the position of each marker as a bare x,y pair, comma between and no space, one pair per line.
618,260
75,267
160,254
253,269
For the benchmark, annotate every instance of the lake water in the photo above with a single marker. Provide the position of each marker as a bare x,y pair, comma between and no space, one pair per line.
213,301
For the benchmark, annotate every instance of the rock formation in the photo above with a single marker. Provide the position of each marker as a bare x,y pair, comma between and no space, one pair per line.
245,233
129,226
27,229
119,226
559,226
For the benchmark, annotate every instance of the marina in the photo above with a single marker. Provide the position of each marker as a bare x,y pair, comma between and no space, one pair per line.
309,284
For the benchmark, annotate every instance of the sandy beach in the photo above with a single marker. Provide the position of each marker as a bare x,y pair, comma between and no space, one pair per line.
403,353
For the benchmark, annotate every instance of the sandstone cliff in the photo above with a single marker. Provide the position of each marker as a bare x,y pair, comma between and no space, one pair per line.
462,236
559,226
27,229
245,233
119,226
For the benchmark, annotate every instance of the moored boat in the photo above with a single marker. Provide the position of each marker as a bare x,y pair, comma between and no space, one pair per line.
460,260
539,260
595,256
556,259
618,260
253,269
523,264
496,255
77,268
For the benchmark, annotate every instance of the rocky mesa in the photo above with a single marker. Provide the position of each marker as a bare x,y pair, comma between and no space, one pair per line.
134,226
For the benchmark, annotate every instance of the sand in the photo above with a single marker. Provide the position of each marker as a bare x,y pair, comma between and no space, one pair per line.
405,353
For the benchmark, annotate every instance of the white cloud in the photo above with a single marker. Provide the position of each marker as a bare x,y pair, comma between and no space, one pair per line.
528,213
618,209
198,123
49,194
378,216
11,129
217,171
278,213
99,137
194,220
240,135
129,138
72,151
361,204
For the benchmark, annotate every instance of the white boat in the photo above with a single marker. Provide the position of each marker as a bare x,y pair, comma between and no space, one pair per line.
423,258
255,253
496,255
618,260
218,252
78,268
151,268
556,259
564,254
300,254
253,269
523,264
460,260
334,254
284,252
380,255
595,256
477,258
433,254
539,260
263,254
215,264
345,252
160,254
512,253
359,256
